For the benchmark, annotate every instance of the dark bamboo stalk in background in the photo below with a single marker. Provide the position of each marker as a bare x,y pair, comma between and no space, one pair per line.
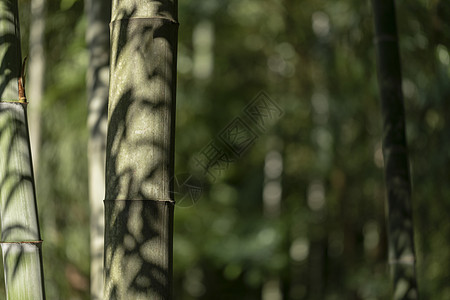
395,152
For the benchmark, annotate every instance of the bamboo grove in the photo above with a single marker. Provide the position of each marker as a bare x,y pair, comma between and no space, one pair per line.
287,116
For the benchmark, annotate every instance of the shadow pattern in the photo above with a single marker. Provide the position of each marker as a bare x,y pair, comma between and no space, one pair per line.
139,151
98,13
20,236
10,64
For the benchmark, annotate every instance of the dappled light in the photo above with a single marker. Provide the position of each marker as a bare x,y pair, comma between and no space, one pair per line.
20,236
139,153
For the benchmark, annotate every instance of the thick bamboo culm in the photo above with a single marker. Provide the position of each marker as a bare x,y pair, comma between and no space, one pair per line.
139,204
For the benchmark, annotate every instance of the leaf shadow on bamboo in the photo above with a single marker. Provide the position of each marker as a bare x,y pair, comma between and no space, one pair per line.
97,37
16,166
134,238
9,41
401,248
20,236
21,241
138,206
13,175
397,175
7,77
395,153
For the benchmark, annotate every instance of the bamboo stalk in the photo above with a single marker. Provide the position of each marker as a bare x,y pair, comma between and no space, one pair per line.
98,13
20,236
395,152
139,204
36,77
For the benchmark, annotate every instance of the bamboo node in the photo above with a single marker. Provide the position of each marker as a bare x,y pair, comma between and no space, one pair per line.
158,200
147,18
23,242
21,101
407,260
21,82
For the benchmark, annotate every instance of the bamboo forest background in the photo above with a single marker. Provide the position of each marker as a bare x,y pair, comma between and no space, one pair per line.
301,214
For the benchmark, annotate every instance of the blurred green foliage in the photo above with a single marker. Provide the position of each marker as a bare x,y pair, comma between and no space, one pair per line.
316,59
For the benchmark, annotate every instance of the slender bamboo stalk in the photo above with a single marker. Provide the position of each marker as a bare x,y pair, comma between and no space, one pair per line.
98,13
36,76
139,153
396,162
20,237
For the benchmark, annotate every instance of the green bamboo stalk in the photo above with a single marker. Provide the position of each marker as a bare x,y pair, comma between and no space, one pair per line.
36,77
139,204
395,152
98,14
20,237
